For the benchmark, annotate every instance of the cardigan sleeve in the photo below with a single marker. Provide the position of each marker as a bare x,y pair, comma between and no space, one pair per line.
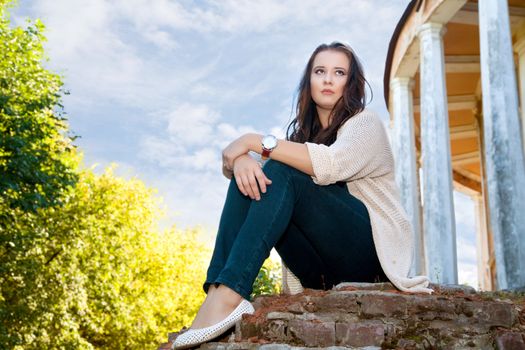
358,147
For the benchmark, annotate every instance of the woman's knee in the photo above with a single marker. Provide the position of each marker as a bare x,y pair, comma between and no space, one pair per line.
273,166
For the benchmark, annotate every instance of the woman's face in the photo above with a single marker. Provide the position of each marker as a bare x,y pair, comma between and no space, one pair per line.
328,77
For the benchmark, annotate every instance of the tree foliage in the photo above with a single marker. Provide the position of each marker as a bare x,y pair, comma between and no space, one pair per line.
268,280
83,263
100,274
37,161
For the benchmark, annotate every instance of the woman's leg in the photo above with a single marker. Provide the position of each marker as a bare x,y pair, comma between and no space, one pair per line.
352,256
219,300
290,203
333,221
233,215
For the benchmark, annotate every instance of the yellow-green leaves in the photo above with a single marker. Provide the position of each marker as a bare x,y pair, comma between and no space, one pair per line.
36,162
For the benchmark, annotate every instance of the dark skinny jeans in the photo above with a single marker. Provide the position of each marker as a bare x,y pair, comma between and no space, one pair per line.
322,234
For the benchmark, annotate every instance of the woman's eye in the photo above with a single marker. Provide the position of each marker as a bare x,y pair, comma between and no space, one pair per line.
318,71
340,72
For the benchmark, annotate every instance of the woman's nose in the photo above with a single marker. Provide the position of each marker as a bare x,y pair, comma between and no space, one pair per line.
328,78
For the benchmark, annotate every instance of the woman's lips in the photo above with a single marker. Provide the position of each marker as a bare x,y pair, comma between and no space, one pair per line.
327,92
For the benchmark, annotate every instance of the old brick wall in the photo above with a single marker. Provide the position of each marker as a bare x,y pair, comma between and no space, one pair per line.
375,316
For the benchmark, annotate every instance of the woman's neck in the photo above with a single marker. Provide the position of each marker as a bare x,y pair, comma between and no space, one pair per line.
324,116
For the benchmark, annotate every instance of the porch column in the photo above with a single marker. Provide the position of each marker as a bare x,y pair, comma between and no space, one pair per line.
438,205
405,159
505,163
520,49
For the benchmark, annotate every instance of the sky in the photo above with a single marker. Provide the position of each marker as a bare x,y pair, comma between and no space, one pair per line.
161,87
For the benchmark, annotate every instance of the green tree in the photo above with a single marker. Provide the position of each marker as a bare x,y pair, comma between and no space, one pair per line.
83,264
37,159
107,277
139,282
37,170
268,280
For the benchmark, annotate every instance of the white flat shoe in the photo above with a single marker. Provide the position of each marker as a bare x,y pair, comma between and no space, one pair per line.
194,337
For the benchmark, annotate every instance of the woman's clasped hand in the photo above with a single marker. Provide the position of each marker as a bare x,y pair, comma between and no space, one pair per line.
250,177
247,172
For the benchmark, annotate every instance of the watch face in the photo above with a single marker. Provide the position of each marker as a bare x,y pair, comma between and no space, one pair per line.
269,142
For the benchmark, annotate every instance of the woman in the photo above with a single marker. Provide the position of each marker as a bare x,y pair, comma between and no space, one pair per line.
326,200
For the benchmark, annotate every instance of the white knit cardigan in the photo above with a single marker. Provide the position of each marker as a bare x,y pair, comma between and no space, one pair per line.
361,156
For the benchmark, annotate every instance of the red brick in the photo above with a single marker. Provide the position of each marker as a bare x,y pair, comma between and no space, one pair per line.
510,341
310,333
488,313
276,330
360,334
343,301
383,304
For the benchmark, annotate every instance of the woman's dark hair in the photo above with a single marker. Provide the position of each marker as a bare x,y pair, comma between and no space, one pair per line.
306,127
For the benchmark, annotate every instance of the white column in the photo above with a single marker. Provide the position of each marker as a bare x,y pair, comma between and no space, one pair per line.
505,163
520,49
482,245
438,206
403,142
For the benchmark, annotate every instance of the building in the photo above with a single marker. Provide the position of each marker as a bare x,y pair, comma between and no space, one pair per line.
454,83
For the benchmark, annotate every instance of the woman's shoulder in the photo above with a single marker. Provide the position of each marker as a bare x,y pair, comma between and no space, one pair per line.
367,117
367,113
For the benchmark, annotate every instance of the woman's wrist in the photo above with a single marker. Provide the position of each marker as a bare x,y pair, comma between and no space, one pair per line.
253,142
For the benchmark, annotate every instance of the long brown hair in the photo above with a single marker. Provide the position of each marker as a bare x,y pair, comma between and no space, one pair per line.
306,127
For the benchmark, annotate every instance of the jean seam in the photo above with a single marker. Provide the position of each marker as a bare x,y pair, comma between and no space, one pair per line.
235,286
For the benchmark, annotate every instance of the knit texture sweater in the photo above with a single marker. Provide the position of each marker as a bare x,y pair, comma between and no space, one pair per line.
361,156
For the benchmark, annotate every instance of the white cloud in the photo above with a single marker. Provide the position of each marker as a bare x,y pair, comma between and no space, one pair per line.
191,198
466,251
194,142
160,38
466,240
99,45
192,125
193,74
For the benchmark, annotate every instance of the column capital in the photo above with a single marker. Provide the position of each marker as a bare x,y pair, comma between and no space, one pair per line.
431,28
406,82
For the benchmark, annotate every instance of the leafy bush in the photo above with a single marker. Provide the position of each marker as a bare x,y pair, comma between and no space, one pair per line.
83,264
268,280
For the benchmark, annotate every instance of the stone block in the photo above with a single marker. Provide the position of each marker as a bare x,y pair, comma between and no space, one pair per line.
228,346
246,330
360,334
341,301
383,304
276,330
489,314
510,341
276,315
364,286
419,303
296,308
431,308
275,347
452,288
311,333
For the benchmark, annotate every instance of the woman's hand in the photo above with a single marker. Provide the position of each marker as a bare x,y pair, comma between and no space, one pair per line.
228,173
234,150
248,173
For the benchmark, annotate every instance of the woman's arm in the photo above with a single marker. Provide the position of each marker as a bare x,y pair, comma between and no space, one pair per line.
291,153
360,149
294,154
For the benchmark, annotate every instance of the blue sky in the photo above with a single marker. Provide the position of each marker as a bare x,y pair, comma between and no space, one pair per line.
161,87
